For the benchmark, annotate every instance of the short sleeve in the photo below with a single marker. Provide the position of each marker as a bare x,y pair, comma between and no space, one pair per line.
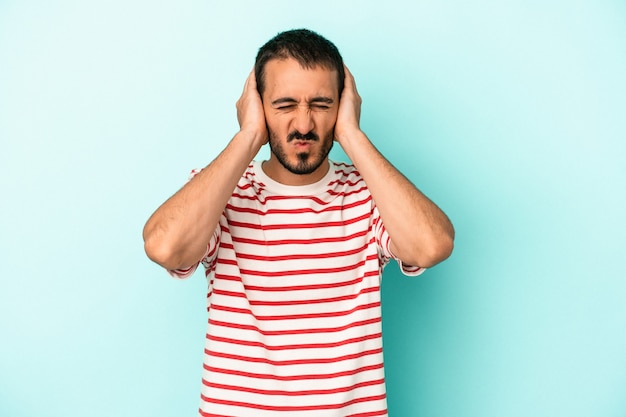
383,241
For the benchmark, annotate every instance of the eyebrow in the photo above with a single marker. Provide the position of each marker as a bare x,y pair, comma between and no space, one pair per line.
289,100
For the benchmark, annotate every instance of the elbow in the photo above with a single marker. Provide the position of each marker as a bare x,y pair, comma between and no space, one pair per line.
170,253
432,253
437,245
159,252
441,250
442,245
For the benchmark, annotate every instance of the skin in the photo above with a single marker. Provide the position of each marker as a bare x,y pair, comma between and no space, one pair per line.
297,101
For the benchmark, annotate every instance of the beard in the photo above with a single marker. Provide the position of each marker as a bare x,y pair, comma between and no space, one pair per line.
307,162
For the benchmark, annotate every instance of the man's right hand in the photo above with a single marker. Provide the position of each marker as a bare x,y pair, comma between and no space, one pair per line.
177,234
250,112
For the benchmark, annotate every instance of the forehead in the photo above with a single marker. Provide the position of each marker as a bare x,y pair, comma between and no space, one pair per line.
287,78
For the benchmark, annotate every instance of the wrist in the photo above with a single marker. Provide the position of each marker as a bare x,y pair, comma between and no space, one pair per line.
254,138
346,137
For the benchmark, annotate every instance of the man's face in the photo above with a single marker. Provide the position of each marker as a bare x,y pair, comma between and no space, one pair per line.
300,110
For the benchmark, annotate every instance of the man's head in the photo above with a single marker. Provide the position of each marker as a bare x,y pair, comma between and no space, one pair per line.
300,77
310,49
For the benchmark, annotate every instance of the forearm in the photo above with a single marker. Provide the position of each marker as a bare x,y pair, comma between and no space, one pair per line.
421,234
177,234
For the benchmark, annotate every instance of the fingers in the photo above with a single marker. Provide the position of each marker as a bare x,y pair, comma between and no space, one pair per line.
248,87
250,82
349,82
348,74
250,109
349,77
349,113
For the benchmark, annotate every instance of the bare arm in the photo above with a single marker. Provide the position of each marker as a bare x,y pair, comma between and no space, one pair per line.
177,234
421,234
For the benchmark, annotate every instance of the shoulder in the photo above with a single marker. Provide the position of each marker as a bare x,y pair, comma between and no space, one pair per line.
250,178
343,168
346,174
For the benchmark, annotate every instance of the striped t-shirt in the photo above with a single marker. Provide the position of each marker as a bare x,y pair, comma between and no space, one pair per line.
294,300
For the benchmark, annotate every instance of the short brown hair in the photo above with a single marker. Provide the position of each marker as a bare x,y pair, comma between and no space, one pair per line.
305,46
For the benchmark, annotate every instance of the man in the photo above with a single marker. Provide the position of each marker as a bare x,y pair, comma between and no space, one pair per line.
294,247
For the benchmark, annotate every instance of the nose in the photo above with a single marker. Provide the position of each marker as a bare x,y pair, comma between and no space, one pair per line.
303,122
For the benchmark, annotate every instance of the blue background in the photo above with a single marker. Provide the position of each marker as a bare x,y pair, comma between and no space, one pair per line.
511,115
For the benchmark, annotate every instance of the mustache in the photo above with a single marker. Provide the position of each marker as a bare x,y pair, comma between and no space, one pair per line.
300,136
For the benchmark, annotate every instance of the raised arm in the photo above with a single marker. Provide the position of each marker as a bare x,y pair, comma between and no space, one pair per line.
177,234
421,234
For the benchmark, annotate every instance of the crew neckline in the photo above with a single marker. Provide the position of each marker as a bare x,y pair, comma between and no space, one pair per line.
294,190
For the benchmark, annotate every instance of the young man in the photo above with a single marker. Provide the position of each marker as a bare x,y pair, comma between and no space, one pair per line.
294,247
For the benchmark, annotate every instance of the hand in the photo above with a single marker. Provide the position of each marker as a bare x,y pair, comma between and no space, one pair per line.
250,114
349,113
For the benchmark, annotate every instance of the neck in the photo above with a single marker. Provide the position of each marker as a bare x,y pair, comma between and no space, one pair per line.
276,171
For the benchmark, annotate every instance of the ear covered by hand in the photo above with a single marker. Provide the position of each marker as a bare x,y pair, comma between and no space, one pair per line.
349,115
250,114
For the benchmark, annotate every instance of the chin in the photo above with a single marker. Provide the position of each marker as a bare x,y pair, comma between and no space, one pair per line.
303,163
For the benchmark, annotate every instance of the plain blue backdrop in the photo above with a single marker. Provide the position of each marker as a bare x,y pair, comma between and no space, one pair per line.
511,115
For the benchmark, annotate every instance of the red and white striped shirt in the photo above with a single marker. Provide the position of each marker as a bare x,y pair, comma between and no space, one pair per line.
294,300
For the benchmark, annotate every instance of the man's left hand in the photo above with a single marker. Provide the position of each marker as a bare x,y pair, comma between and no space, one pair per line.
349,112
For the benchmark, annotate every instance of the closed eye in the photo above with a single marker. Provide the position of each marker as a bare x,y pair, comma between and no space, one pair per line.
321,103
287,107
316,104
